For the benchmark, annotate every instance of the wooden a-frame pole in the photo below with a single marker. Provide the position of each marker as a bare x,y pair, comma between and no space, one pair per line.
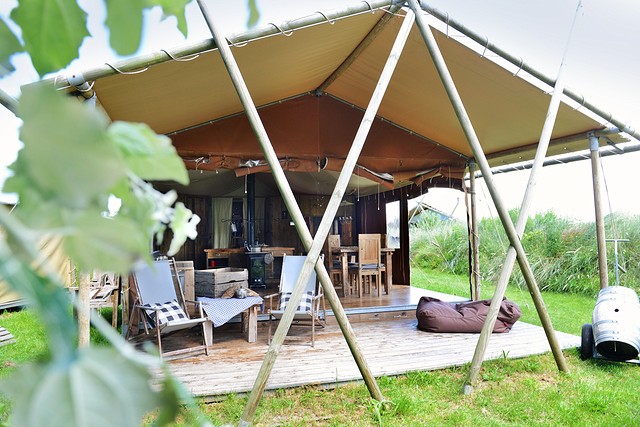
473,235
507,266
601,240
481,159
313,246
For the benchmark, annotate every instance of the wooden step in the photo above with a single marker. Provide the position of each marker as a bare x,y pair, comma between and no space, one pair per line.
6,337
372,314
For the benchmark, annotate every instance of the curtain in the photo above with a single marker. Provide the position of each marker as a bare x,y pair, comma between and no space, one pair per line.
222,222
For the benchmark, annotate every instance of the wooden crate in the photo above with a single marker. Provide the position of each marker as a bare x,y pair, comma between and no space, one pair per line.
213,282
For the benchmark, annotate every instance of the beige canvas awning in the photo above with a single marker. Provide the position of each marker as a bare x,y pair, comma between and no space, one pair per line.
417,136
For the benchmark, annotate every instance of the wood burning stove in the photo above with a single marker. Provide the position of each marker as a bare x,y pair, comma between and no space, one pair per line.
256,269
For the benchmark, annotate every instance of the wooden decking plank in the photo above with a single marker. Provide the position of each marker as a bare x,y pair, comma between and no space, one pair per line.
390,346
405,350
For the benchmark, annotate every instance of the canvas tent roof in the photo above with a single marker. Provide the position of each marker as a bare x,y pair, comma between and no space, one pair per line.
311,125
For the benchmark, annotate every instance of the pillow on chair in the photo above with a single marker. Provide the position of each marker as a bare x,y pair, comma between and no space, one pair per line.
167,312
305,301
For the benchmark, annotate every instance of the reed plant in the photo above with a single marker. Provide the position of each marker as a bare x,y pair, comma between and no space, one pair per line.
562,253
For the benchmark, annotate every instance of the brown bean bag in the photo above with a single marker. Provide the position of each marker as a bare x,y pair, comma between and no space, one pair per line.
435,315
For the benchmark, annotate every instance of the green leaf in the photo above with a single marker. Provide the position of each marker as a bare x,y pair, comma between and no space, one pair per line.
67,156
52,30
138,208
124,20
254,14
150,156
9,44
175,8
45,296
109,244
101,388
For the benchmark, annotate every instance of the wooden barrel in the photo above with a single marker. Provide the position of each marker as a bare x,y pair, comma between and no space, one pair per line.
616,323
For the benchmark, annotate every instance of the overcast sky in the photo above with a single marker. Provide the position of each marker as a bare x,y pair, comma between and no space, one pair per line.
602,64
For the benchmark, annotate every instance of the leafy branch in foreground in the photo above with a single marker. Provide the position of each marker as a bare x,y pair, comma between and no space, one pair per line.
72,161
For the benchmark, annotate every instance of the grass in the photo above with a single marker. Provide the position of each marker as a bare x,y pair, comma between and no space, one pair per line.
525,392
568,312
522,392
30,342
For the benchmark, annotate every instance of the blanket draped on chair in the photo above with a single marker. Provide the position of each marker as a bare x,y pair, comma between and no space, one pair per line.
221,310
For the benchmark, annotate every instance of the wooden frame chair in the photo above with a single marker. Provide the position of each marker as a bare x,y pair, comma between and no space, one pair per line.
311,308
159,303
368,267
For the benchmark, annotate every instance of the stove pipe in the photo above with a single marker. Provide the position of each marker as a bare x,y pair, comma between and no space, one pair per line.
251,208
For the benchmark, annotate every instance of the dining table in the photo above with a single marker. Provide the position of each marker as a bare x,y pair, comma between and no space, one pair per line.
347,252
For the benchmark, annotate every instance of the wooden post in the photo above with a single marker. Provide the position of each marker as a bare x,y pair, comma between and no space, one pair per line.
597,201
507,266
83,310
481,159
314,247
475,243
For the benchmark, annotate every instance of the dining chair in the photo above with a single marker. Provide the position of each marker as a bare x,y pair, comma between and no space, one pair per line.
366,270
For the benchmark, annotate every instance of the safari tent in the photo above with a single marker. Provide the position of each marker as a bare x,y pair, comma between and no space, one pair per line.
311,80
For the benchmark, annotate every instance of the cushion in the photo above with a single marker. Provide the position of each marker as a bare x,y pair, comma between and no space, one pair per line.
305,301
435,315
167,312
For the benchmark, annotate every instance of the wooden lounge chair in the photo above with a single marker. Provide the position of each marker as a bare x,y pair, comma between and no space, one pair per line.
311,308
160,304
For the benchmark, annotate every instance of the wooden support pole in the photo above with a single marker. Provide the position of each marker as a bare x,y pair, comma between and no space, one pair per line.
314,247
478,153
594,147
507,266
475,243
83,310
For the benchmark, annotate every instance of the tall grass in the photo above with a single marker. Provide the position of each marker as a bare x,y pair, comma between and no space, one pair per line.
562,253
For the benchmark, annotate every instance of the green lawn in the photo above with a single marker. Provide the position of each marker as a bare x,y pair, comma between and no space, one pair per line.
512,392
568,312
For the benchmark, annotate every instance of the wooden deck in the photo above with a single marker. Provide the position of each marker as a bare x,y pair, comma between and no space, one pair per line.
392,345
